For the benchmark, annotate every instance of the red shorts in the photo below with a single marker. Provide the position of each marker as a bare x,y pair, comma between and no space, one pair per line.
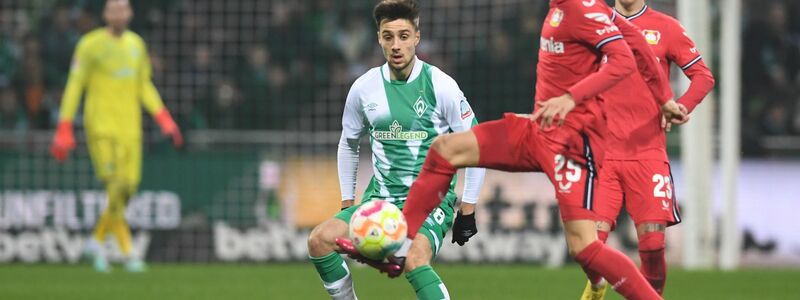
565,154
644,186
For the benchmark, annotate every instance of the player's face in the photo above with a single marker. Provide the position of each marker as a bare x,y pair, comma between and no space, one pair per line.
117,14
628,2
399,39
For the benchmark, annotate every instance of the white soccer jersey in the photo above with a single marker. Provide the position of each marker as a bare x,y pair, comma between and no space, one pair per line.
402,118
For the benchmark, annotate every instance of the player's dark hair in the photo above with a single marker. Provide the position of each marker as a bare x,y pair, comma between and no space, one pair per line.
391,10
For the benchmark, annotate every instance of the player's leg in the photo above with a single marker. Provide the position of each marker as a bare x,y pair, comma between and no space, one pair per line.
652,247
652,207
575,184
102,154
610,194
493,144
130,162
426,283
329,264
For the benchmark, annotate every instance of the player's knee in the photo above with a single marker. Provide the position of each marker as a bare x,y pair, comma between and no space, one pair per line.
322,239
650,227
652,239
416,259
578,240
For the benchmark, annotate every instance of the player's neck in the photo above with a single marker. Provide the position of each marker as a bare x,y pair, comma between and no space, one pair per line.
403,74
115,32
631,9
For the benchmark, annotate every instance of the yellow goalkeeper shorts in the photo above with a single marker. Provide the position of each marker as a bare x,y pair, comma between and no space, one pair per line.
116,158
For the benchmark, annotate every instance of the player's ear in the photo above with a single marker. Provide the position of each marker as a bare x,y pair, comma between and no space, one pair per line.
417,38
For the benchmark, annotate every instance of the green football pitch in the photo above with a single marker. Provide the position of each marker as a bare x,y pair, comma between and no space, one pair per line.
299,281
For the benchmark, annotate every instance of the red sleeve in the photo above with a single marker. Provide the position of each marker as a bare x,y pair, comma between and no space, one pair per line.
646,60
597,30
683,53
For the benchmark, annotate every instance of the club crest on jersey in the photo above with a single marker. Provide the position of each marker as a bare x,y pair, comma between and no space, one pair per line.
396,133
466,111
420,107
556,17
652,36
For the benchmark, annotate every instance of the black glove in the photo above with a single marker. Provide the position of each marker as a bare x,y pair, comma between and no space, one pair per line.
464,228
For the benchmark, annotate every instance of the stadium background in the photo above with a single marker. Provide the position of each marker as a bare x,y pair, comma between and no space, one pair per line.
258,88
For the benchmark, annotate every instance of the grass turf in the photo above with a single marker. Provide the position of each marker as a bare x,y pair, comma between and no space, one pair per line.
299,281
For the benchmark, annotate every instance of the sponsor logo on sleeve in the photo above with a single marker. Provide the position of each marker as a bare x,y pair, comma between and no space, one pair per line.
599,17
466,111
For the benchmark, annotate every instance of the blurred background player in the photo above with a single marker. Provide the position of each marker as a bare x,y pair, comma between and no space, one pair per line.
636,170
113,65
402,105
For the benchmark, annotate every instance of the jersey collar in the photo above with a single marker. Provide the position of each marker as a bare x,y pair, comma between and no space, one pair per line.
415,71
633,16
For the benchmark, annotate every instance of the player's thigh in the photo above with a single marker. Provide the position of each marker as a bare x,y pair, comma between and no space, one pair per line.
609,195
649,194
505,144
574,182
130,162
101,152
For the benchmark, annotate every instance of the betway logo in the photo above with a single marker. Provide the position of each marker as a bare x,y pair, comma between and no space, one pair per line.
551,46
607,30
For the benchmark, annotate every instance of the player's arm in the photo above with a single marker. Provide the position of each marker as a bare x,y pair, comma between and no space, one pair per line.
153,104
353,128
460,117
654,77
620,63
64,139
646,60
684,53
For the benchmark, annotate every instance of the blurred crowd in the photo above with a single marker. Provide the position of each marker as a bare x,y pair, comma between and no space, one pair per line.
276,65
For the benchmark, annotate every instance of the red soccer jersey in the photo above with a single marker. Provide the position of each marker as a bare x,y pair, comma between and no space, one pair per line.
575,35
634,117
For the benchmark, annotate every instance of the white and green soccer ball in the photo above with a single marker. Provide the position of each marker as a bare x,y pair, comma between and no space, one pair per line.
378,229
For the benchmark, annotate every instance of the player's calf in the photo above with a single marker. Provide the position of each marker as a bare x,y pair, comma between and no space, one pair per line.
652,254
426,283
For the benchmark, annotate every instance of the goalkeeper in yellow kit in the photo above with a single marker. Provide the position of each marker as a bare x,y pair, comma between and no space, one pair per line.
113,65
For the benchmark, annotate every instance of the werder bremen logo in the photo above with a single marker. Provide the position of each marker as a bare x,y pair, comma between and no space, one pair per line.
420,106
396,133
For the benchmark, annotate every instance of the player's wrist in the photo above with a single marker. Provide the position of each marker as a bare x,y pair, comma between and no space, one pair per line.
467,208
64,125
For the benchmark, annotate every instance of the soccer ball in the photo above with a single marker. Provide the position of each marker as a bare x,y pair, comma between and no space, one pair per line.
378,229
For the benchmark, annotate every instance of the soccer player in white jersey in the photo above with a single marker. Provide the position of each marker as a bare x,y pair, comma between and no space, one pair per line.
402,105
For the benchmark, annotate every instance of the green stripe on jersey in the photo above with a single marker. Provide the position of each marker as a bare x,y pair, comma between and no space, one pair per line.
400,138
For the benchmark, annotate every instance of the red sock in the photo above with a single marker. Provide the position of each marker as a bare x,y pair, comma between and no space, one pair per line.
595,277
654,265
428,190
620,271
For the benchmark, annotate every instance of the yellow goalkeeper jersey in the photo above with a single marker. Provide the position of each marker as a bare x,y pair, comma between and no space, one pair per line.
115,72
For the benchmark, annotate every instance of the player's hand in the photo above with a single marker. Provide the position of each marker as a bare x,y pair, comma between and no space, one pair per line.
464,226
392,268
673,113
169,128
347,203
63,141
554,107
